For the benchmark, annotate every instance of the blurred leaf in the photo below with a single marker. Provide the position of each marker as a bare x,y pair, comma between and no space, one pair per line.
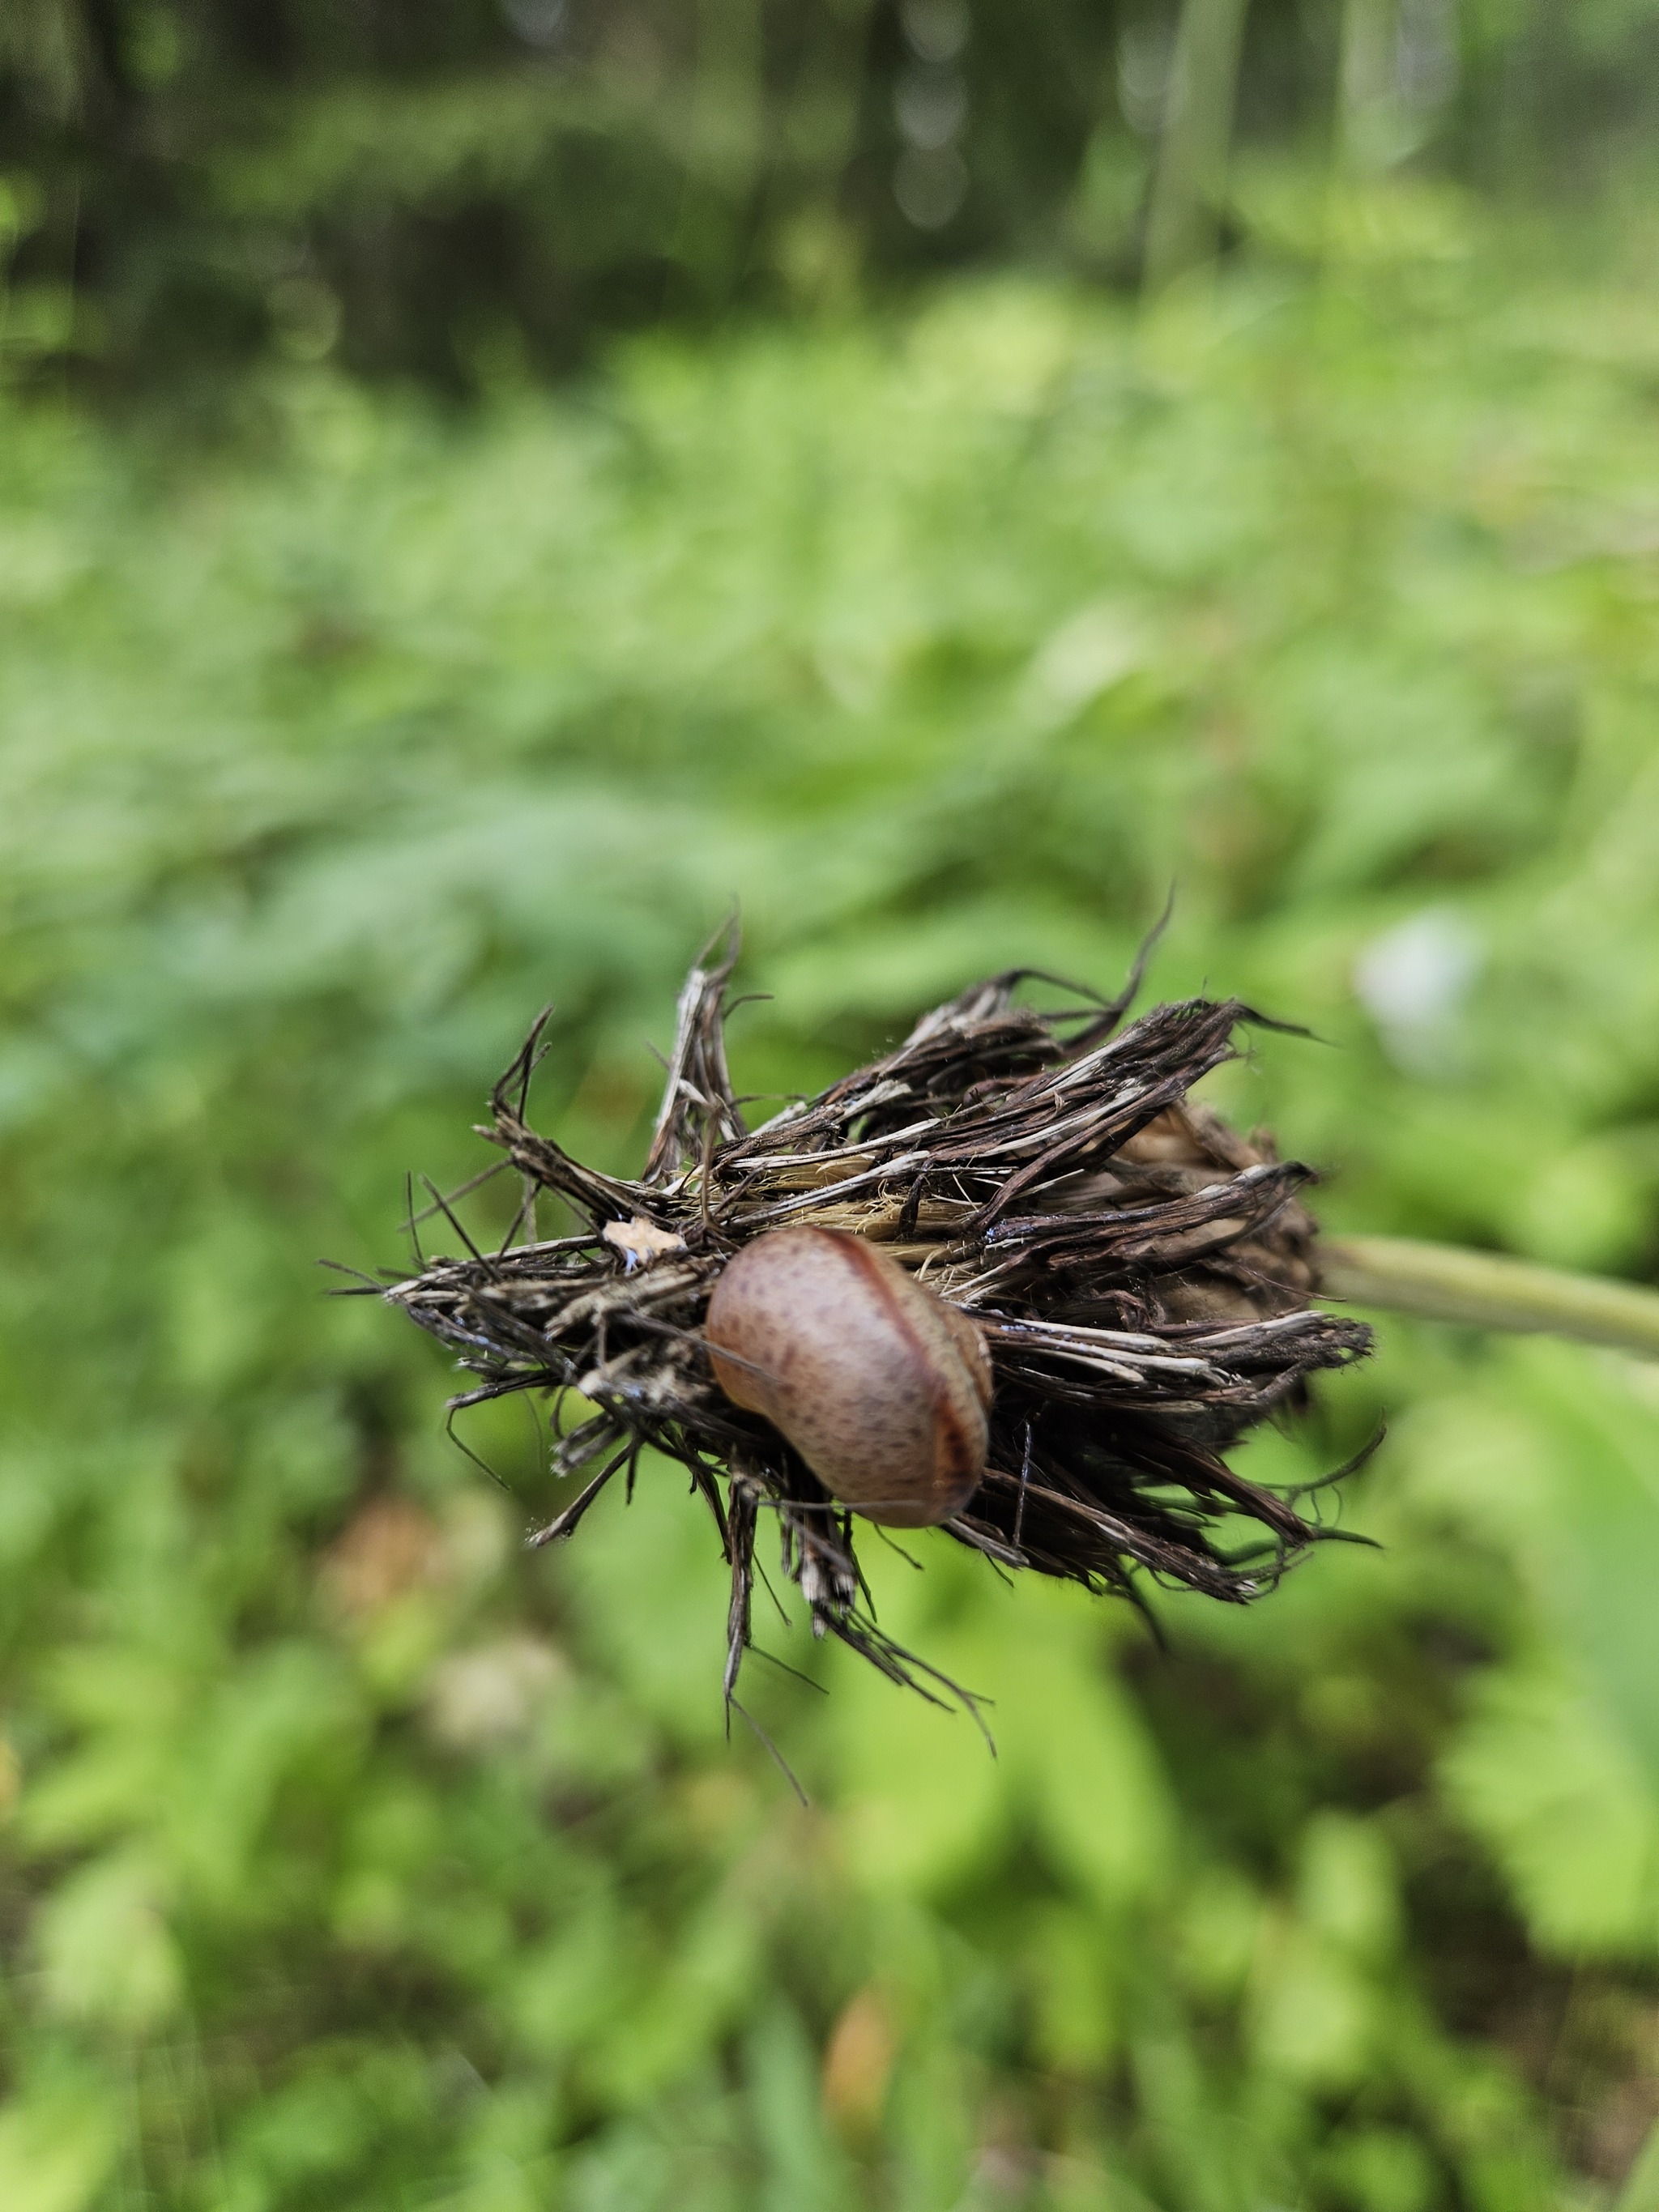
1571,1814
105,1949
56,2152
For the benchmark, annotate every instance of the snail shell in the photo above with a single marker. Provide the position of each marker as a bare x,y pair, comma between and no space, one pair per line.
880,1386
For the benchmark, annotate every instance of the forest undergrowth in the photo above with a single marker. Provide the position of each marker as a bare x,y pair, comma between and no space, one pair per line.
352,1856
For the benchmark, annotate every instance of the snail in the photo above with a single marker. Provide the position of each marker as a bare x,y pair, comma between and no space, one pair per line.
879,1385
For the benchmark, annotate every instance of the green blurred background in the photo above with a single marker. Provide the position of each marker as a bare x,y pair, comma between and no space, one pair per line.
481,488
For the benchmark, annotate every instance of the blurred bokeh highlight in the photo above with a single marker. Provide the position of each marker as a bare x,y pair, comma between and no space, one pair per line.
483,488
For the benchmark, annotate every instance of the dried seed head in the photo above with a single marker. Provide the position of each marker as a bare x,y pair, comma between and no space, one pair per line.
1139,1275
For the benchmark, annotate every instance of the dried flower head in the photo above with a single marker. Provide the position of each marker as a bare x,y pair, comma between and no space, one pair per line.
1139,1273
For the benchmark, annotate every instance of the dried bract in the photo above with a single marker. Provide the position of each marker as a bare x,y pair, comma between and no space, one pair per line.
1141,1274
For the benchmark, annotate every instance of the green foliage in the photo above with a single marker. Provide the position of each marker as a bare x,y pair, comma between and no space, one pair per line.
353,1858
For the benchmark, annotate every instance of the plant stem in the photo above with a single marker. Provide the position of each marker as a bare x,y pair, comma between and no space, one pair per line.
1190,182
1447,1282
729,92
1367,121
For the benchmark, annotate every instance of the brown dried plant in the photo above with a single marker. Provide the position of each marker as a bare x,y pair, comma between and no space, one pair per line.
1143,1276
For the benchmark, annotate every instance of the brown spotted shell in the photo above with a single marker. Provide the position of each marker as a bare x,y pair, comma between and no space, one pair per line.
880,1386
